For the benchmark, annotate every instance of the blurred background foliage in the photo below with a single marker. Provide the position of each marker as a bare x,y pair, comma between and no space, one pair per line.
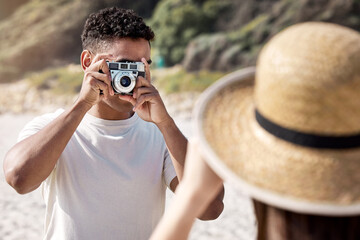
177,22
203,39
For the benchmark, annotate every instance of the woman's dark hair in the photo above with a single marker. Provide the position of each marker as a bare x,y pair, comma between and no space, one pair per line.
277,224
112,23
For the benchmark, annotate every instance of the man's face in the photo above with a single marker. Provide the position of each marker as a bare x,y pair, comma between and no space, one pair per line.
125,49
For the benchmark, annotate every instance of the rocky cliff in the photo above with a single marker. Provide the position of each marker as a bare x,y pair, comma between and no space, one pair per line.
201,34
250,23
45,33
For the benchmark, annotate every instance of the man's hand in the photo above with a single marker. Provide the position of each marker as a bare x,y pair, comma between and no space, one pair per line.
97,81
146,99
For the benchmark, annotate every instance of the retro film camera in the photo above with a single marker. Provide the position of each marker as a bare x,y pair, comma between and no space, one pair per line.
124,75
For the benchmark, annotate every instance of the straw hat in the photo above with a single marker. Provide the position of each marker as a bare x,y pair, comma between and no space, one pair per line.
292,139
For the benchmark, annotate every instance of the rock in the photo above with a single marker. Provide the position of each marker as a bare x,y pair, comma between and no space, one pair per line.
249,24
47,33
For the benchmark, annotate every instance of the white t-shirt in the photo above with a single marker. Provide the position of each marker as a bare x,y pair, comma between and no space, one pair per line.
109,182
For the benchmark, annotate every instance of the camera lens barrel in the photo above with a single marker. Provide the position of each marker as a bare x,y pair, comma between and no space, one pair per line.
124,82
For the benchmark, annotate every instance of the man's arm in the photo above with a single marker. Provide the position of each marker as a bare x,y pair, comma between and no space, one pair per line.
31,161
176,144
150,107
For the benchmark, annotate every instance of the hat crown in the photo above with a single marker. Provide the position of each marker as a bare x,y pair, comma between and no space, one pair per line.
308,79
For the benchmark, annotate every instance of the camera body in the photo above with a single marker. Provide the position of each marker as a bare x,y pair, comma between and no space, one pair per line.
124,75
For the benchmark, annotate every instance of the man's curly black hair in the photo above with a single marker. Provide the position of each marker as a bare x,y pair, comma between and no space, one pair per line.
111,23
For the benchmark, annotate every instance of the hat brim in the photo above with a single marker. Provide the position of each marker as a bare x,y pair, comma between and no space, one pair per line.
250,145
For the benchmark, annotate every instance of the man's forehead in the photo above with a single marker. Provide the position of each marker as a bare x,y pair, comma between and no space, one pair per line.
120,59
126,49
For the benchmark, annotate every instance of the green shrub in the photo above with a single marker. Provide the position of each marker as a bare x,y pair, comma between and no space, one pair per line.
181,81
62,81
177,22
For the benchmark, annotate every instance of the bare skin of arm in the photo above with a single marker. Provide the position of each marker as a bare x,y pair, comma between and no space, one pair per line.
30,162
216,206
197,190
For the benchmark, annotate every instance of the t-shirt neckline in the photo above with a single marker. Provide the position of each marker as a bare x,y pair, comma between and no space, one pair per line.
125,122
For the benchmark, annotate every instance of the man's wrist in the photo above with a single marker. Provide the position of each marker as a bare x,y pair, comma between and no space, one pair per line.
81,106
166,123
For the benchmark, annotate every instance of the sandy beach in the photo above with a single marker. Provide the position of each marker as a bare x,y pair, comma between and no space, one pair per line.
22,216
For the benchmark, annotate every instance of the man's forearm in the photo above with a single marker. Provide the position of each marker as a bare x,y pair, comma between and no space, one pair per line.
31,161
176,143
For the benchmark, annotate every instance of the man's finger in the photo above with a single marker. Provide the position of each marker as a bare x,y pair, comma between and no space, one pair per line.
105,69
142,82
142,90
128,98
104,75
103,89
147,70
100,76
143,98
99,85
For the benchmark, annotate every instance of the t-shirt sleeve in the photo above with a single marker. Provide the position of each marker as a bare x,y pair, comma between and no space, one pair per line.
169,170
37,124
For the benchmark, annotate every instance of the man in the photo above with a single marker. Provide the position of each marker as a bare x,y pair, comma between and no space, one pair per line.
104,163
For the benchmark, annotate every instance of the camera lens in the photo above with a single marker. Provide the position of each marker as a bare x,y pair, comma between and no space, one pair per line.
125,81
